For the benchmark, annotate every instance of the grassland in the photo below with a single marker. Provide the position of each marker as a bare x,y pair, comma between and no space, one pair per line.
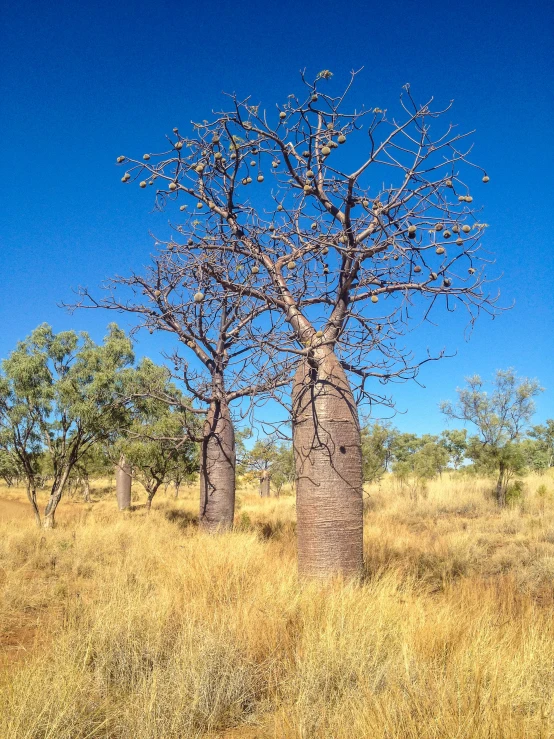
134,625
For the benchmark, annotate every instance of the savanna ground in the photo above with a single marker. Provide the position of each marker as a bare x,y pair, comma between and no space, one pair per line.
134,625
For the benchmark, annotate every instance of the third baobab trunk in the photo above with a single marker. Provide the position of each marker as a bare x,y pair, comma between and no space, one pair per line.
327,450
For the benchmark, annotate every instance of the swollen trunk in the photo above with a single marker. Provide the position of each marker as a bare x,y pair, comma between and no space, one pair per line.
328,458
217,469
123,484
265,484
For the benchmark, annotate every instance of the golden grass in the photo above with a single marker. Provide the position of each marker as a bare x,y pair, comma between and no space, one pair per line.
141,626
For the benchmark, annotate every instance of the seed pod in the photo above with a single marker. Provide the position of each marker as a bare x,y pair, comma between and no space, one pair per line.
309,173
191,344
314,98
279,207
459,241
365,203
120,159
142,184
274,165
469,199
433,276
179,145
255,270
466,229
218,155
326,151
439,227
486,178
374,299
417,269
341,139
146,157
314,226
199,205
319,334
157,293
172,186
282,115
448,183
305,153
198,297
455,229
471,270
446,282
291,265
440,250
325,250
307,188
412,232
447,234
183,207
260,178
325,270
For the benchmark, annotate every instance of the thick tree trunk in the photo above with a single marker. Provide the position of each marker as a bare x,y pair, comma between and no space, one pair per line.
177,486
328,458
265,484
217,469
123,484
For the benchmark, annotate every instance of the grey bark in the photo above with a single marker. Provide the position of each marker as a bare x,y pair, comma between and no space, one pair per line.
123,481
328,458
265,484
217,469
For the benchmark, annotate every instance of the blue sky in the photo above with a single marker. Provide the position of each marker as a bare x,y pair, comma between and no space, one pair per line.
82,83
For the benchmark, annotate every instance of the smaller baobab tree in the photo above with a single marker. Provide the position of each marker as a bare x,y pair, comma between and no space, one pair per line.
354,225
220,360
500,418
60,394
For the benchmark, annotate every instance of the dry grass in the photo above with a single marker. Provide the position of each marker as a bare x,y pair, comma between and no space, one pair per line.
140,626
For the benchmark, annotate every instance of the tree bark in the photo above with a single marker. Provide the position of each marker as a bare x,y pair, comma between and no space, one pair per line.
328,458
86,491
265,484
501,486
123,484
177,486
49,521
32,496
217,469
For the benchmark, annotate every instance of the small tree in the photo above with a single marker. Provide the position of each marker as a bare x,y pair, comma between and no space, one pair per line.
455,443
544,436
219,359
500,418
61,394
157,444
377,450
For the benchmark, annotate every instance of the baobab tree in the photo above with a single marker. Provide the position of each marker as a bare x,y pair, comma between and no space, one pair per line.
352,225
221,333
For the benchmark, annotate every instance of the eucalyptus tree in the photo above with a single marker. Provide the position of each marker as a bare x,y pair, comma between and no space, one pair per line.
59,395
500,418
219,360
156,444
353,225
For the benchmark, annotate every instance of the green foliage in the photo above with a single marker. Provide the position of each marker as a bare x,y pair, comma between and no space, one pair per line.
159,441
59,395
377,443
500,418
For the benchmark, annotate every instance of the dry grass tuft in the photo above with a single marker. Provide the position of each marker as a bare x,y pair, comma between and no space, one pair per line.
131,625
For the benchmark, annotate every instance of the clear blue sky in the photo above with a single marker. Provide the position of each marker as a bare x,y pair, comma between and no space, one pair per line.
84,82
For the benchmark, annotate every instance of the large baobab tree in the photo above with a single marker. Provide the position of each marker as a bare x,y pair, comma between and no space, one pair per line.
219,360
350,224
